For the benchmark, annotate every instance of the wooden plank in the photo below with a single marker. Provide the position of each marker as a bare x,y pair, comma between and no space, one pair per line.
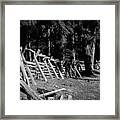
62,97
24,72
30,63
40,69
36,63
53,69
91,79
72,69
28,70
50,98
32,71
30,91
52,92
93,55
32,66
60,72
48,69
42,64
78,72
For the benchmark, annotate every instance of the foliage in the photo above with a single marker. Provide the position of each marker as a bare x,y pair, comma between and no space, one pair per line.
62,34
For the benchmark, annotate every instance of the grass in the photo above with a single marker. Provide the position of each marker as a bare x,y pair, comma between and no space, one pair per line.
86,88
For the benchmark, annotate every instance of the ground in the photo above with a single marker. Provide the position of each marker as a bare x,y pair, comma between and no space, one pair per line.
86,88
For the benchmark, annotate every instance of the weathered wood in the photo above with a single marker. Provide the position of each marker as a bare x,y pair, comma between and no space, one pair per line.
72,69
61,74
89,78
24,72
78,72
48,69
41,55
53,69
30,91
40,68
27,62
28,70
62,97
36,63
50,98
96,71
52,92
93,56
42,64
31,66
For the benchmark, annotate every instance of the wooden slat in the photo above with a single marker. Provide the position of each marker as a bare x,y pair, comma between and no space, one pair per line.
52,92
30,91
32,66
24,72
78,72
40,69
30,63
48,69
28,70
53,69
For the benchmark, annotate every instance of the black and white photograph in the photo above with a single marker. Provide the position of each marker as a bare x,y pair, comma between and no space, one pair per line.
59,59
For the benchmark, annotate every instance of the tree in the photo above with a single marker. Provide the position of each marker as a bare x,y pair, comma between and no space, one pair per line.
54,37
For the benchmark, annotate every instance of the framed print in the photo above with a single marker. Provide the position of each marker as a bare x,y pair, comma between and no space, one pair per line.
60,60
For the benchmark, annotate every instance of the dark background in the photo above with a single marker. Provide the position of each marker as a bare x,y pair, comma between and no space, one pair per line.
63,36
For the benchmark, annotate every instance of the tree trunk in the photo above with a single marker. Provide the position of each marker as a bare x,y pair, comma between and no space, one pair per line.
93,56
